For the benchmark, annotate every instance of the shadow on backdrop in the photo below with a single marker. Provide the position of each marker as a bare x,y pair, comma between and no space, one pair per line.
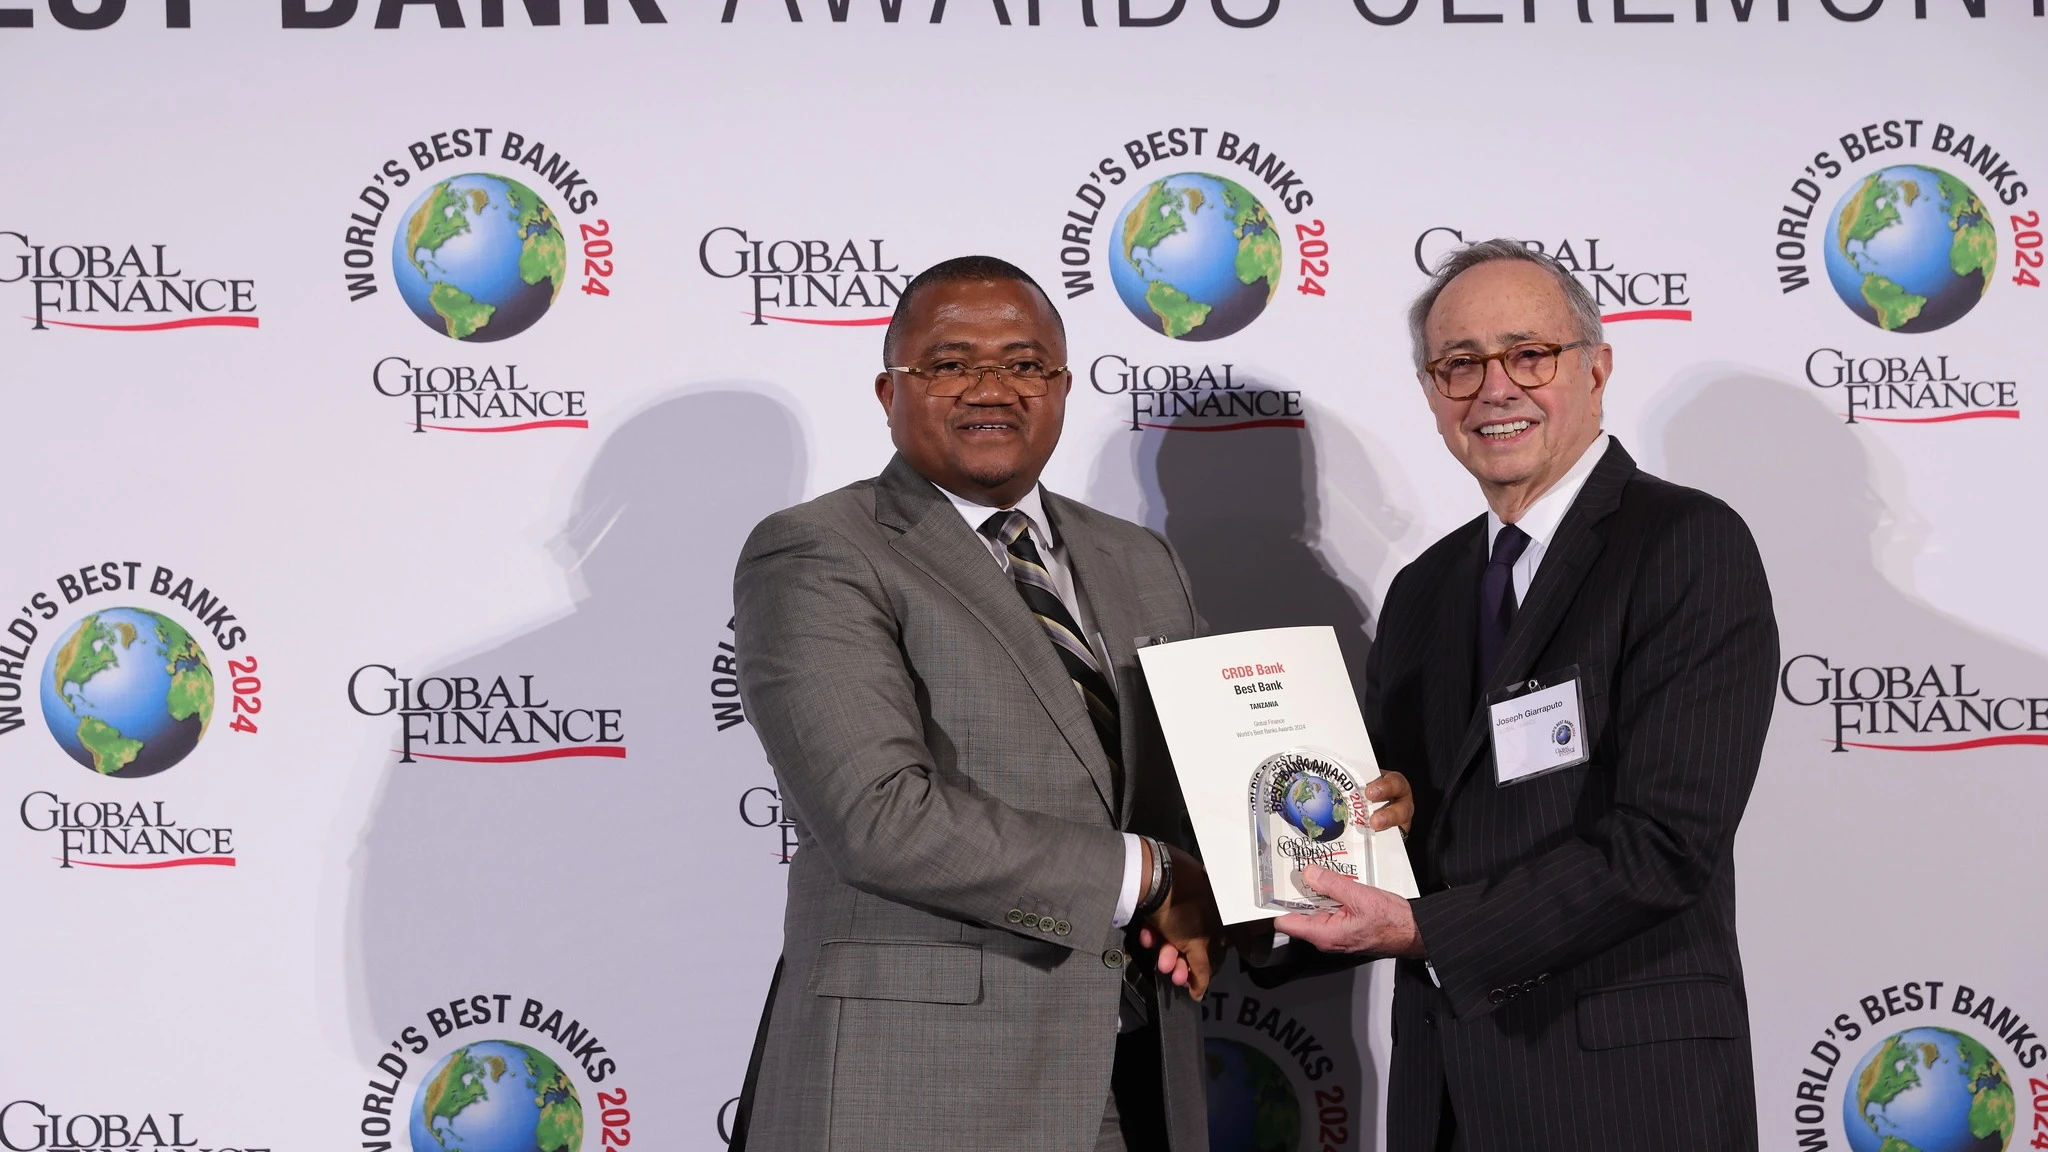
1828,505
1243,508
613,889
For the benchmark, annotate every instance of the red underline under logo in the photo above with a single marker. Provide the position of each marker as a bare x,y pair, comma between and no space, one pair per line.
526,427
161,325
1648,314
1959,746
869,322
1239,426
605,751
223,861
1972,414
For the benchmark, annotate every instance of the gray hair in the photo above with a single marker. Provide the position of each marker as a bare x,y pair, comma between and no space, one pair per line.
1583,307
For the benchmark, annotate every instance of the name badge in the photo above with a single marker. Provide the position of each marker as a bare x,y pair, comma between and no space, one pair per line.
1537,727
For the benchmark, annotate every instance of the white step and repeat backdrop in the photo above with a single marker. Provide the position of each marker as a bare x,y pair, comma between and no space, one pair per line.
389,386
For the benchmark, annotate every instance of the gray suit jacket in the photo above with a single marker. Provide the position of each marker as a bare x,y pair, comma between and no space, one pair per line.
948,954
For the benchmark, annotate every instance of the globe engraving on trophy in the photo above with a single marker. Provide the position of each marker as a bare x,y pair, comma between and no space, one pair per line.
1306,807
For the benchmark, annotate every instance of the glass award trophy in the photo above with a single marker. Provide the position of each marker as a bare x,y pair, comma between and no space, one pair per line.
1276,704
1306,807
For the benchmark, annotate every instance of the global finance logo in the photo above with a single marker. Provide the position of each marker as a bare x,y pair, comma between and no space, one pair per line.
762,807
502,719
1622,288
1920,708
495,1073
845,283
1920,1066
126,691
1911,246
1193,227
121,288
33,1126
116,656
482,231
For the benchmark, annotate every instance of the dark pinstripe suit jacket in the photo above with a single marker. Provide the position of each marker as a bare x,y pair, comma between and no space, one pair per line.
1582,924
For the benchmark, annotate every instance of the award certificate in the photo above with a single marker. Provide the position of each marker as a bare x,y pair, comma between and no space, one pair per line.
1273,760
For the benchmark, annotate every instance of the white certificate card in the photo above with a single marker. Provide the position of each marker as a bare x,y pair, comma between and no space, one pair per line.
1273,760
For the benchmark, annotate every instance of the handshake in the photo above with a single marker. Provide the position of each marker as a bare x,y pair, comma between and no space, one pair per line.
1185,932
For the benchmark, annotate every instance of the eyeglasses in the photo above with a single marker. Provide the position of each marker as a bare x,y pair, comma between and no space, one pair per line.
955,377
1460,375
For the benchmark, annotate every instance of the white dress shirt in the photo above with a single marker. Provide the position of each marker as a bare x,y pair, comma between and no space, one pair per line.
1540,520
1054,556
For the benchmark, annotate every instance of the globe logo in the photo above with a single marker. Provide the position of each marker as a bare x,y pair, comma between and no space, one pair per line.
497,1096
1562,734
1911,249
1313,806
480,258
127,692
1195,256
1252,1105
1928,1090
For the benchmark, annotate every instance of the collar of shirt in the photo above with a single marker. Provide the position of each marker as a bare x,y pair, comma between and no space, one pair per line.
1540,520
1033,508
1049,553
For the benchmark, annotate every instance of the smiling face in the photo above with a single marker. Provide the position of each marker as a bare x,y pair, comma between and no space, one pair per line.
1517,441
989,444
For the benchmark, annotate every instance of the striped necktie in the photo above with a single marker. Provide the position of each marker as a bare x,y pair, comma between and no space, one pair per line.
1034,583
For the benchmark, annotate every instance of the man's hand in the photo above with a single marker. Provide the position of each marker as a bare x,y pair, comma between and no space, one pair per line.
1400,810
1368,920
1187,929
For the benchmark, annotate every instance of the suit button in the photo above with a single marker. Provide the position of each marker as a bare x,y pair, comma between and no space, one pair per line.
1114,958
1429,1017
1045,923
1498,995
1543,978
1062,928
1030,920
1016,916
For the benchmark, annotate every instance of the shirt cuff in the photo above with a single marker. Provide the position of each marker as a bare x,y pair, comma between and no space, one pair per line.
1134,863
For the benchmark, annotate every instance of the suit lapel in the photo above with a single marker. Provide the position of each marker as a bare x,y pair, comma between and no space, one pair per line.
939,543
1566,563
1455,637
1100,578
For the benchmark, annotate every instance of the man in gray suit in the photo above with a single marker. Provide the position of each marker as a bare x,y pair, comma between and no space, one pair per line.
942,665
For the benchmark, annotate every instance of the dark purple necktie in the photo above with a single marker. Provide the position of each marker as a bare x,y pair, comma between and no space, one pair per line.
1497,599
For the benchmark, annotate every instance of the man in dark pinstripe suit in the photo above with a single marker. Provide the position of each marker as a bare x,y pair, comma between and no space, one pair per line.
1569,979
